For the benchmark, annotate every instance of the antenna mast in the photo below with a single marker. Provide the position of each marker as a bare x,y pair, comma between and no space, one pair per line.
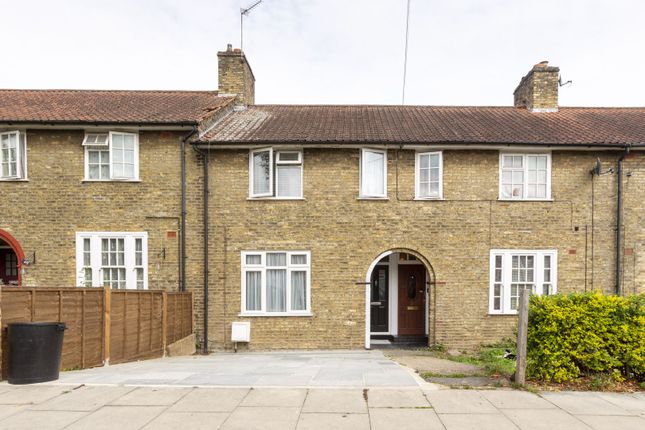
405,58
245,12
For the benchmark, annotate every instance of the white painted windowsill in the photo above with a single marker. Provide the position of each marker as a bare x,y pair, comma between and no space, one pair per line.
135,181
275,314
524,200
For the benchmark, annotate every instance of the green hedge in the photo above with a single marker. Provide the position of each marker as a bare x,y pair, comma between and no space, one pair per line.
584,334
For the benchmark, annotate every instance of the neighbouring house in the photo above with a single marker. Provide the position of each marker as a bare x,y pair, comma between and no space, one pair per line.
324,226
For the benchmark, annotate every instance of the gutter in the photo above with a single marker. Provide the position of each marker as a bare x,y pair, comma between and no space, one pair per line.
182,261
619,218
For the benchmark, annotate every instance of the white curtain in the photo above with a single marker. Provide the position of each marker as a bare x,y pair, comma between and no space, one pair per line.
253,291
298,291
262,173
373,181
289,181
276,290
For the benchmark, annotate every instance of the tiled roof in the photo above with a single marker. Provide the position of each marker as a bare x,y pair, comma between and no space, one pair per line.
96,106
429,124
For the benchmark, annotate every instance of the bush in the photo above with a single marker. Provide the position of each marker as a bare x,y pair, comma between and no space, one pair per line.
586,334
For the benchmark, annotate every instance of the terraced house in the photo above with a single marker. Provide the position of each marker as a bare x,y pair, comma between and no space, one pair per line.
324,226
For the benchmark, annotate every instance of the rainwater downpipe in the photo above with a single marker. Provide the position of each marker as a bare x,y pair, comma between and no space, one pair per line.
182,244
619,218
205,221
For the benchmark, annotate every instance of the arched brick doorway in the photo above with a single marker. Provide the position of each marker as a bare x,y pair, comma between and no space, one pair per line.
401,310
11,258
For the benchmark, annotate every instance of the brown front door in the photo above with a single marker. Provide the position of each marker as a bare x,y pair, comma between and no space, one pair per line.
412,299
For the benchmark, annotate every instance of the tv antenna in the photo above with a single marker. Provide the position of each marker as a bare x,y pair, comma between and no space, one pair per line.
245,12
405,58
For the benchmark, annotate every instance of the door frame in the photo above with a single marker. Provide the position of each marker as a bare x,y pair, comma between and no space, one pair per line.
430,282
17,249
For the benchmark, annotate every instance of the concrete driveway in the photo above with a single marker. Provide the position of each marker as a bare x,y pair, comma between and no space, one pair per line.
270,369
55,407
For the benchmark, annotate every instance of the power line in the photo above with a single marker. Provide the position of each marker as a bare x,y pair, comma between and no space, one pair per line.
405,58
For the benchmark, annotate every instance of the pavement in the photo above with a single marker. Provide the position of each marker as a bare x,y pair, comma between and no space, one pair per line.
266,369
136,396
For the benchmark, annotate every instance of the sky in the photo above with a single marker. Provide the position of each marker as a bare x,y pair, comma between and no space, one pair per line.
461,52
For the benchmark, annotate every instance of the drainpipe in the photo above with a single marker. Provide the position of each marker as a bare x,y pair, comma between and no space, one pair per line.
182,262
205,222
619,218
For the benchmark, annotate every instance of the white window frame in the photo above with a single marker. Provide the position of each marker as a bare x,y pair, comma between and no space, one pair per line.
274,160
108,147
525,168
362,194
21,156
95,257
507,255
262,268
417,174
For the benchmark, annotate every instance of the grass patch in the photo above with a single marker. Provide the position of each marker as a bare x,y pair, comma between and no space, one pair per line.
445,375
490,359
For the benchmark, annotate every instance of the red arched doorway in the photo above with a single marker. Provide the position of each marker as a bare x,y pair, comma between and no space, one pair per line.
11,257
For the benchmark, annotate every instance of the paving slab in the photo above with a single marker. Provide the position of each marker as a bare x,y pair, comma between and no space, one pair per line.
41,420
8,410
336,421
631,402
118,417
606,422
275,397
83,399
512,399
336,400
394,398
404,419
476,422
188,421
262,418
145,396
583,403
544,419
210,400
459,401
30,395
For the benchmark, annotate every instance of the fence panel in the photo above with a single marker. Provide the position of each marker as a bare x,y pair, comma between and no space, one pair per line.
180,316
80,308
102,324
136,325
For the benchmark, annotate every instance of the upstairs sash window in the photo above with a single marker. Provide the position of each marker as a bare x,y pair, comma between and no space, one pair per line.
275,174
13,155
111,156
373,169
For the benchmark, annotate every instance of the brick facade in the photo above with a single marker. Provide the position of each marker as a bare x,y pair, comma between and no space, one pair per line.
455,235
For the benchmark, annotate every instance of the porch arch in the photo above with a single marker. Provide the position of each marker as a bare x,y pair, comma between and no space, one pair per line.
368,287
17,249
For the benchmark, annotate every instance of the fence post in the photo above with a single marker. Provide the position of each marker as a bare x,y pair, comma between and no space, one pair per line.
107,303
522,329
164,320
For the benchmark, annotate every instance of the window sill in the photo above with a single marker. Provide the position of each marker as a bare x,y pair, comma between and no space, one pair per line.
14,180
424,199
524,200
275,198
275,314
111,180
372,198
502,314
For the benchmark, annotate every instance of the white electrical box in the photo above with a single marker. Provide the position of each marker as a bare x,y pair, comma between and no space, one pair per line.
241,332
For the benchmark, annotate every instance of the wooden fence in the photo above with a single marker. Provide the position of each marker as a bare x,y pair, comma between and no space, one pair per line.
103,326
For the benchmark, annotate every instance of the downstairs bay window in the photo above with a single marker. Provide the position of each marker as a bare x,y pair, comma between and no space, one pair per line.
513,270
114,260
276,283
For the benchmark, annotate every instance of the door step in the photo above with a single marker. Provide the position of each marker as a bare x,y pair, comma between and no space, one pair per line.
387,341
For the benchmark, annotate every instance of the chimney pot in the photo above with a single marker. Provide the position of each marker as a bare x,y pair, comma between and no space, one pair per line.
229,47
